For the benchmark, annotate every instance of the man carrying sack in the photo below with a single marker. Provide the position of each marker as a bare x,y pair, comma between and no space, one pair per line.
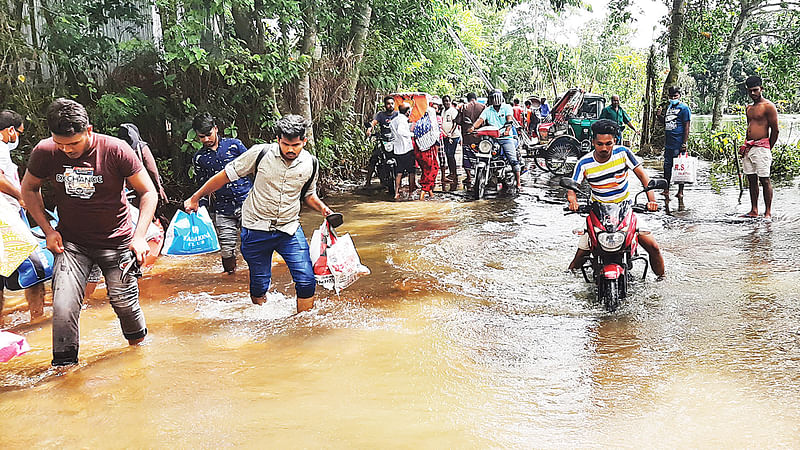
284,175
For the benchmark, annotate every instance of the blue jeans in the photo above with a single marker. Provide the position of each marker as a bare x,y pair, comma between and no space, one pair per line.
509,147
257,249
669,157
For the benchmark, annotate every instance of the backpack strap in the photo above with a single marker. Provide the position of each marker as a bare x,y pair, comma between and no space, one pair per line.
308,183
258,161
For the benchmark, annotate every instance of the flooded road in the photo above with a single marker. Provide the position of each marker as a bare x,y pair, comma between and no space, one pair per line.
468,333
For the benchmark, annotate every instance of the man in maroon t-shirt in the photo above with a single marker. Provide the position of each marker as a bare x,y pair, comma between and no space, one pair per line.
88,172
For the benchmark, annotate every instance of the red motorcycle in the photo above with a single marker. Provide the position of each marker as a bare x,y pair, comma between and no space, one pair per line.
613,241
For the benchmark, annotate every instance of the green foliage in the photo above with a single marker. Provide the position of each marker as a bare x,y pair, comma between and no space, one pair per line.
342,148
722,148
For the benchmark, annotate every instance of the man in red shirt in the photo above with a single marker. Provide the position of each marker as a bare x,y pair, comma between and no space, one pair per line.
88,172
519,111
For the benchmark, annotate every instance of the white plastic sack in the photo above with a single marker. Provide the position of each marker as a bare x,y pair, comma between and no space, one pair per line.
16,242
684,169
335,259
153,232
12,345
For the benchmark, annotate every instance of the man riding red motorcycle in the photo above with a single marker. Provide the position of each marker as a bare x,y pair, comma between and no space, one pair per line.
606,170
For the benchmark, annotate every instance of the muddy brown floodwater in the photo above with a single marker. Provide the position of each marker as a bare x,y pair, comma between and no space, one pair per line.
468,333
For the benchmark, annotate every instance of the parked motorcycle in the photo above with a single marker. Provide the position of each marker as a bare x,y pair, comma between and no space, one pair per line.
613,241
491,171
386,166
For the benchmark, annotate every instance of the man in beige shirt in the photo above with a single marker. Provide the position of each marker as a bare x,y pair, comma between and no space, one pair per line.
285,175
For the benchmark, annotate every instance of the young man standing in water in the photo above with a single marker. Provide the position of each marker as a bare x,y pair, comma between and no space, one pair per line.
88,172
606,170
228,199
677,121
285,174
762,134
11,128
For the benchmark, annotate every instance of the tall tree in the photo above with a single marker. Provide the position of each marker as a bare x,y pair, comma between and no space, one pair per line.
358,35
677,15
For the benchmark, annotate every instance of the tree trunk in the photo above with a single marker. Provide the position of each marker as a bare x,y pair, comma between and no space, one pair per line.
674,47
644,142
358,35
721,95
307,47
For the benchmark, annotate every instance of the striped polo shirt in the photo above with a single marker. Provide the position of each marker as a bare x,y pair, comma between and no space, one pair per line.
608,180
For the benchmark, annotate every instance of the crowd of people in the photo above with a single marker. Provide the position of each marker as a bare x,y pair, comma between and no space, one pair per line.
453,122
256,193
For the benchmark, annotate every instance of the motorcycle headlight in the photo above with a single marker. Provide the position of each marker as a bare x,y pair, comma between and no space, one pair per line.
611,242
485,146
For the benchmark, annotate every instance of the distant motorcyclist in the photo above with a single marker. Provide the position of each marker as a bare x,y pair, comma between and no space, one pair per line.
606,170
382,119
500,115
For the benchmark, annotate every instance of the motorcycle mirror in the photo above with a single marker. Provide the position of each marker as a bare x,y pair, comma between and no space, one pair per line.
657,183
569,183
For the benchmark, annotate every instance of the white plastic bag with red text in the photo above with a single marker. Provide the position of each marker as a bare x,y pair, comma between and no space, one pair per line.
335,259
684,169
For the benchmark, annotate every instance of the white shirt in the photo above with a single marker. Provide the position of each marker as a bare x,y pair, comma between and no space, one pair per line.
10,171
401,135
449,125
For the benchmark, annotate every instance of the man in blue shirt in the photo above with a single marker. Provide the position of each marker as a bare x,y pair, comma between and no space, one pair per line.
497,115
227,201
677,119
544,109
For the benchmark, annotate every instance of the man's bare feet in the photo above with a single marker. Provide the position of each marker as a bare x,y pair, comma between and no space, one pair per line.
258,300
750,215
63,370
135,341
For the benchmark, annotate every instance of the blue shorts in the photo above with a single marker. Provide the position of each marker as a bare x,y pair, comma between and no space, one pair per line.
257,249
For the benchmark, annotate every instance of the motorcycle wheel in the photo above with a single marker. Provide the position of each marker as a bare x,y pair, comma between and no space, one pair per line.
557,155
608,292
479,184
540,161
388,182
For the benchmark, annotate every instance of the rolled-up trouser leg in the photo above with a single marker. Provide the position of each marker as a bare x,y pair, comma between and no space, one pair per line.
122,294
228,229
510,151
70,271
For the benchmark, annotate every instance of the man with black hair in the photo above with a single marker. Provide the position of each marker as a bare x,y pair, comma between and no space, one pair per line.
606,170
216,153
615,112
544,108
470,113
762,134
11,129
677,121
452,136
88,172
285,175
382,120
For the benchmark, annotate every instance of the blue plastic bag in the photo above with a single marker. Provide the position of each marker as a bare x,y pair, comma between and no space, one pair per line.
38,267
190,234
